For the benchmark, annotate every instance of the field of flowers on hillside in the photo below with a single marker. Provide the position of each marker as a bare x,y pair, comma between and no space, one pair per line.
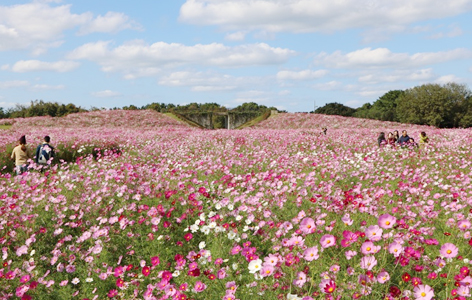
277,211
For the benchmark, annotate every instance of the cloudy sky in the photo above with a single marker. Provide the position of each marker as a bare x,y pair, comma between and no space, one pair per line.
292,54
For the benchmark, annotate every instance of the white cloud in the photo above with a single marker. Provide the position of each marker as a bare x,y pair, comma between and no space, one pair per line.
398,75
38,87
454,30
39,25
201,81
137,59
7,104
13,84
110,22
384,58
448,78
106,94
36,65
236,36
316,16
328,86
301,75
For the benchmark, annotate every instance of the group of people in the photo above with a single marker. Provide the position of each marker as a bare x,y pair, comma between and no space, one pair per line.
21,154
393,139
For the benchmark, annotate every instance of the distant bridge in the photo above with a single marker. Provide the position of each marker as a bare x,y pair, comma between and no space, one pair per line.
233,120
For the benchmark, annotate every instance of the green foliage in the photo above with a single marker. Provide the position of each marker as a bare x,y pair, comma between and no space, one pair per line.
336,109
253,107
41,108
383,109
434,104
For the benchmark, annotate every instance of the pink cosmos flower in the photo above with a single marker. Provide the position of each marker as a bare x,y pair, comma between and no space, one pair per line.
199,287
449,250
386,221
311,253
297,241
300,279
271,259
463,225
112,293
374,233
369,248
395,248
349,238
327,286
368,262
22,250
25,278
350,254
221,273
266,270
383,277
155,260
327,240
463,291
423,292
307,225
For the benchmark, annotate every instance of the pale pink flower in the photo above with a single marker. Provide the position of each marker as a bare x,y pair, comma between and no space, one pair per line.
395,248
300,279
423,292
383,277
311,253
327,240
374,233
307,225
369,248
387,221
449,250
368,262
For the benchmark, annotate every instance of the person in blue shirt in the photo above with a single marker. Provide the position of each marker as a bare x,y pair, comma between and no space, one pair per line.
44,152
403,139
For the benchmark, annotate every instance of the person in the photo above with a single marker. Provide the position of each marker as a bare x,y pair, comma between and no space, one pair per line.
381,139
411,143
21,154
423,139
324,130
391,139
44,152
396,135
404,139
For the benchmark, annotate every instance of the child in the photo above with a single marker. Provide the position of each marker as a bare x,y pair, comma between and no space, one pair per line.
381,139
423,139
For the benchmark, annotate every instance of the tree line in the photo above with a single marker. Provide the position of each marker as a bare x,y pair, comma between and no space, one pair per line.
444,106
54,109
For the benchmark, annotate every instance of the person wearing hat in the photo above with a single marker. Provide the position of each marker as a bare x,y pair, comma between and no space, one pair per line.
21,154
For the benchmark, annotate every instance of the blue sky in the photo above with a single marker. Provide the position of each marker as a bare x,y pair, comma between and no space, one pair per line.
291,54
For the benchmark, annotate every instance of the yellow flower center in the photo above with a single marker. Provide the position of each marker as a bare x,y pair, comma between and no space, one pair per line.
423,294
387,223
368,248
449,251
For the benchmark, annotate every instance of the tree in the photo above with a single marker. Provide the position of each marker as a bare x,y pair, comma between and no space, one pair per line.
336,109
363,111
384,108
434,104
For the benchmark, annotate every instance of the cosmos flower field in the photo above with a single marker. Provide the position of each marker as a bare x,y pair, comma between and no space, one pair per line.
276,211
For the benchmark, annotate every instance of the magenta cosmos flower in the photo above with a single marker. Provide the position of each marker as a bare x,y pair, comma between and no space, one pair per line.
387,221
327,240
423,292
449,250
327,286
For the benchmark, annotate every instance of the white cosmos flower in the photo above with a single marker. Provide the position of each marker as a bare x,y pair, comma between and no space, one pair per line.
255,266
201,245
